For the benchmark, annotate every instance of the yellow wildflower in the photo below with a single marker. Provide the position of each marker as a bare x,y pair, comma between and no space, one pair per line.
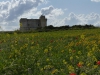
62,51
55,71
70,51
71,58
47,59
83,73
77,57
82,36
64,62
38,64
95,66
79,52
46,51
89,53
88,64
71,69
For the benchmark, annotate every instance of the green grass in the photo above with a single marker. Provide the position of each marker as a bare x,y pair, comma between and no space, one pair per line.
50,53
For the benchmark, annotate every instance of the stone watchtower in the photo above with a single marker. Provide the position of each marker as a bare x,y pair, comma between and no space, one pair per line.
43,21
31,24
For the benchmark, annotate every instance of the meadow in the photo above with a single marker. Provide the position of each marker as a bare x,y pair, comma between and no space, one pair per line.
68,52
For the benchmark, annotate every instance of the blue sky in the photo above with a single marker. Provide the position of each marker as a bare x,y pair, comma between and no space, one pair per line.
58,12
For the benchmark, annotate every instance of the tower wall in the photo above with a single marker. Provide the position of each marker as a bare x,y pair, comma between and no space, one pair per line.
33,23
23,24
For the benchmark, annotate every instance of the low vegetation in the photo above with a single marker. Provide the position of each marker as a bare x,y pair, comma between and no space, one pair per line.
67,52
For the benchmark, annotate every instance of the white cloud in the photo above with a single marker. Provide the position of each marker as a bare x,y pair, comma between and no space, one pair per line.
22,6
95,0
72,19
51,12
93,18
13,9
47,10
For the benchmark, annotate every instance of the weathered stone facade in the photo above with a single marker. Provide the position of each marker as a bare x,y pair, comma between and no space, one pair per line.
31,24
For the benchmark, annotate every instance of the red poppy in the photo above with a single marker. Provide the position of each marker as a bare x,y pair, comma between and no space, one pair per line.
98,62
79,65
72,74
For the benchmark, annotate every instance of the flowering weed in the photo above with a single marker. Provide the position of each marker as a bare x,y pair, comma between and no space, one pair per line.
71,52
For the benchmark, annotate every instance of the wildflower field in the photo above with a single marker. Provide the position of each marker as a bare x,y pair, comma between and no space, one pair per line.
68,52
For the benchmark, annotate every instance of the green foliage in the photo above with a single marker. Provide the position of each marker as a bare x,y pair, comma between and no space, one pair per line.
50,53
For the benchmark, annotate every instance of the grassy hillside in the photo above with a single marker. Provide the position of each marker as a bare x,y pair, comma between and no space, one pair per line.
69,52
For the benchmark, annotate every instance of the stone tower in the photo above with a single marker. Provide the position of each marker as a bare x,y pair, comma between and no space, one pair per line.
43,21
31,24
